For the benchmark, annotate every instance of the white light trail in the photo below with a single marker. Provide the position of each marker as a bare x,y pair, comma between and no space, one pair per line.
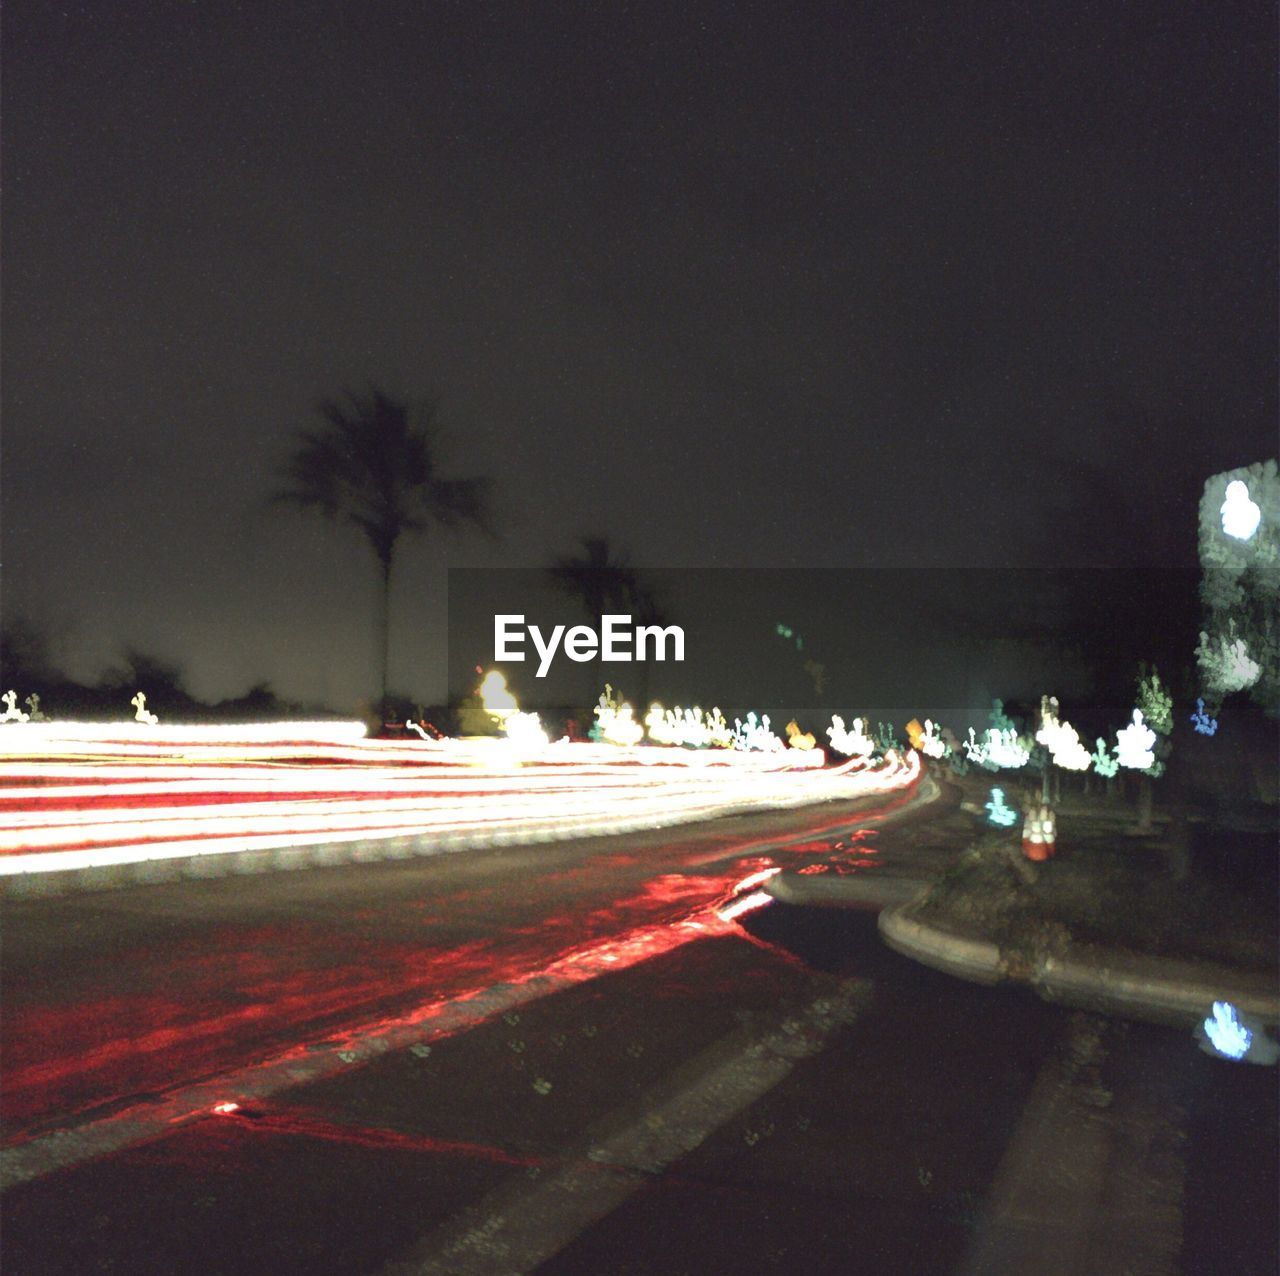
73,799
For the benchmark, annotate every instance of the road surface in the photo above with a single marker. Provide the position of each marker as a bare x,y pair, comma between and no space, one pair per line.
574,1058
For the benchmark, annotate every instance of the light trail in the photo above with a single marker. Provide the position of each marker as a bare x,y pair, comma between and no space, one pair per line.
82,796
523,978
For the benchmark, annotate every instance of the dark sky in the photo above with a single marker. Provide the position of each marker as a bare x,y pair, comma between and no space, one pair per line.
850,285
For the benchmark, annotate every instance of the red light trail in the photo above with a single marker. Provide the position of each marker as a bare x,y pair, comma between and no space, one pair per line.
76,796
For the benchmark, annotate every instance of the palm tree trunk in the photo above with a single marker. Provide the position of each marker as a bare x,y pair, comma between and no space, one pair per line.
384,637
1146,801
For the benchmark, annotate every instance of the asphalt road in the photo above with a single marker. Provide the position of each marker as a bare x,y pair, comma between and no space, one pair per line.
563,1058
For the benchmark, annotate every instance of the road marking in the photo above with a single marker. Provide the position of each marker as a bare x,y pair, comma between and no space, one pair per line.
1089,1181
32,1158
523,1223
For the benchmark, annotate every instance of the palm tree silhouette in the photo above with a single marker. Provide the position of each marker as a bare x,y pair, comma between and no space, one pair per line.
374,463
646,608
600,579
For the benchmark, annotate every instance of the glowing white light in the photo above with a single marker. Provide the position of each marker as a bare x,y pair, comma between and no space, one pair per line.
745,904
754,735
497,700
931,743
11,711
1227,1034
525,730
997,750
143,714
1240,515
855,742
51,737
1061,739
616,721
688,727
1135,745
1000,814
755,879
135,793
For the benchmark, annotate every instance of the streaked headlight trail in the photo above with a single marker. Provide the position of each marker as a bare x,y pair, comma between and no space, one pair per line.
77,795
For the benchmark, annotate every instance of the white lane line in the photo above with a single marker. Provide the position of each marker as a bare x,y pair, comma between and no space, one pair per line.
94,1137
523,1223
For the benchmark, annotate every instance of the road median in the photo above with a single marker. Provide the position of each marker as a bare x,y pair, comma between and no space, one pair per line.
1131,986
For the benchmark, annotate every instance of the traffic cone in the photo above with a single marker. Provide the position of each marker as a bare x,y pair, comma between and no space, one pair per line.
1039,833
1049,827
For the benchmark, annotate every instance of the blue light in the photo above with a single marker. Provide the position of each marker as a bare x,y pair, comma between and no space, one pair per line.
1204,724
1228,1036
1000,814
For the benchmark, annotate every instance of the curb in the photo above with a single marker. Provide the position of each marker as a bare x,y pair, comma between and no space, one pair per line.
1176,995
856,891
976,960
872,890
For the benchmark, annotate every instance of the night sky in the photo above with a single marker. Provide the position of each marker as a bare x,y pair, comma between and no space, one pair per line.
851,285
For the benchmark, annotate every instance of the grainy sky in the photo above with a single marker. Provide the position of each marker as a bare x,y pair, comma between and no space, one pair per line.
753,285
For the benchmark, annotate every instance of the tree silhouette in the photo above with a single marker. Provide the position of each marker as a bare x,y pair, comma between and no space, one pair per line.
646,608
599,578
602,580
374,463
163,681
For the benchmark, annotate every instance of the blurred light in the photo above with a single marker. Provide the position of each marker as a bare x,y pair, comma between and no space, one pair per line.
1061,738
139,702
754,735
746,904
11,711
931,743
997,749
86,802
1228,1036
1134,745
853,742
1204,724
1002,815
1104,762
1240,515
797,739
